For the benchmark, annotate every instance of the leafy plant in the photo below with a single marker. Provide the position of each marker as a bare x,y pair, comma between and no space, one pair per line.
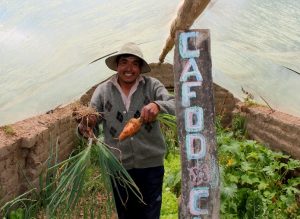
172,180
169,208
17,214
171,187
257,179
239,125
169,130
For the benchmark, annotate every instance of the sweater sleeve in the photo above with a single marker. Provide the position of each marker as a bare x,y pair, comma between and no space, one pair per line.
97,103
163,99
96,100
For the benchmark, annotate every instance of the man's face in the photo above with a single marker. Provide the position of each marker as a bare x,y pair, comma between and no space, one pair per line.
128,68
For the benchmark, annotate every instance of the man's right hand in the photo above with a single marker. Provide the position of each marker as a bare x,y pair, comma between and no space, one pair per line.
87,125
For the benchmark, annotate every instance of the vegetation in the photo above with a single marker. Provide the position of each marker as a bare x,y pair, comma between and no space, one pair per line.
248,98
171,187
8,130
255,181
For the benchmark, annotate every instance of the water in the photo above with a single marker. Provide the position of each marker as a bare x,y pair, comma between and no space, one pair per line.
46,48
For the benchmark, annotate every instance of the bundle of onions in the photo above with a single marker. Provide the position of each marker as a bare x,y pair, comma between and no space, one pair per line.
168,121
70,182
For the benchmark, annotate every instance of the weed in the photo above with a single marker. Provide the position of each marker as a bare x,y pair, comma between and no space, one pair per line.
8,130
239,125
218,123
248,98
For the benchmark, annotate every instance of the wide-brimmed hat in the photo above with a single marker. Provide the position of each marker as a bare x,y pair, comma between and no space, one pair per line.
127,49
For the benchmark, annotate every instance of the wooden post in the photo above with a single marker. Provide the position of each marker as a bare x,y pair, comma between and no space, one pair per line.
200,194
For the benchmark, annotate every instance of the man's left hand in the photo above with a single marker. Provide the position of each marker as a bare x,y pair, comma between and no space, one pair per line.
150,112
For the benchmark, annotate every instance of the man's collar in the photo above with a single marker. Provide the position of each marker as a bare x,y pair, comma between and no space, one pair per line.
114,79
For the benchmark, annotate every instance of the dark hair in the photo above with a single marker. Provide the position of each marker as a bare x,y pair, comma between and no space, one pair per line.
128,55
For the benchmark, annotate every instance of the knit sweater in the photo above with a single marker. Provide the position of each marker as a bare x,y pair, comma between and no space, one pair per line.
147,147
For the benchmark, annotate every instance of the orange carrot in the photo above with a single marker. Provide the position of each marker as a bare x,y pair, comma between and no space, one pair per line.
131,127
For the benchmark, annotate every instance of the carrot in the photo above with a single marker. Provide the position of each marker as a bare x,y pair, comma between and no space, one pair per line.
131,127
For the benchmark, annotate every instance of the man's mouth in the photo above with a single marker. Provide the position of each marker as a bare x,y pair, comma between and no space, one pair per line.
128,74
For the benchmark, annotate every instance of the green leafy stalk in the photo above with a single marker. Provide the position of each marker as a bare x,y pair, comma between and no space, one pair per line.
168,120
21,199
116,173
70,183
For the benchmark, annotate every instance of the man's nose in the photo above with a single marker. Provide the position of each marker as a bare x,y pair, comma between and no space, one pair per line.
128,67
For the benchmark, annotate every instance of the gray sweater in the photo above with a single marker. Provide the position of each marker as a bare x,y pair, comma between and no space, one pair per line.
147,147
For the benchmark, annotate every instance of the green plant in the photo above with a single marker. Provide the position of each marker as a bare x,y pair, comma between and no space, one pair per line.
239,125
254,180
8,130
169,130
248,98
169,208
218,123
172,180
73,175
171,186
17,214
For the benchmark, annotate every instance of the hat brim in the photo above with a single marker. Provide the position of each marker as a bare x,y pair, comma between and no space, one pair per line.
111,62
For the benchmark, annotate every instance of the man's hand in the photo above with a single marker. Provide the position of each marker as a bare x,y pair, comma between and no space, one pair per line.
150,112
86,126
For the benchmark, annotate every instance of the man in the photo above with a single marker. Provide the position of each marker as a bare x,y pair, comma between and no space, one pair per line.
125,95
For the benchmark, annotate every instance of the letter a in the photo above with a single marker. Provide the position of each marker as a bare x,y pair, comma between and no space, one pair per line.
195,71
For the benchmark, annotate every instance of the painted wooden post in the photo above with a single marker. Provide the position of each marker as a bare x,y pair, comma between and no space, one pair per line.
200,195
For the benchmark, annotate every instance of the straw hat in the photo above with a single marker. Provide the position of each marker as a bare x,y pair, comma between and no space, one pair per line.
128,48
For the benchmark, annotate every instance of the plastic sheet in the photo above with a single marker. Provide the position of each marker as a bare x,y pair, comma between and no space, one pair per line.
46,48
256,46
